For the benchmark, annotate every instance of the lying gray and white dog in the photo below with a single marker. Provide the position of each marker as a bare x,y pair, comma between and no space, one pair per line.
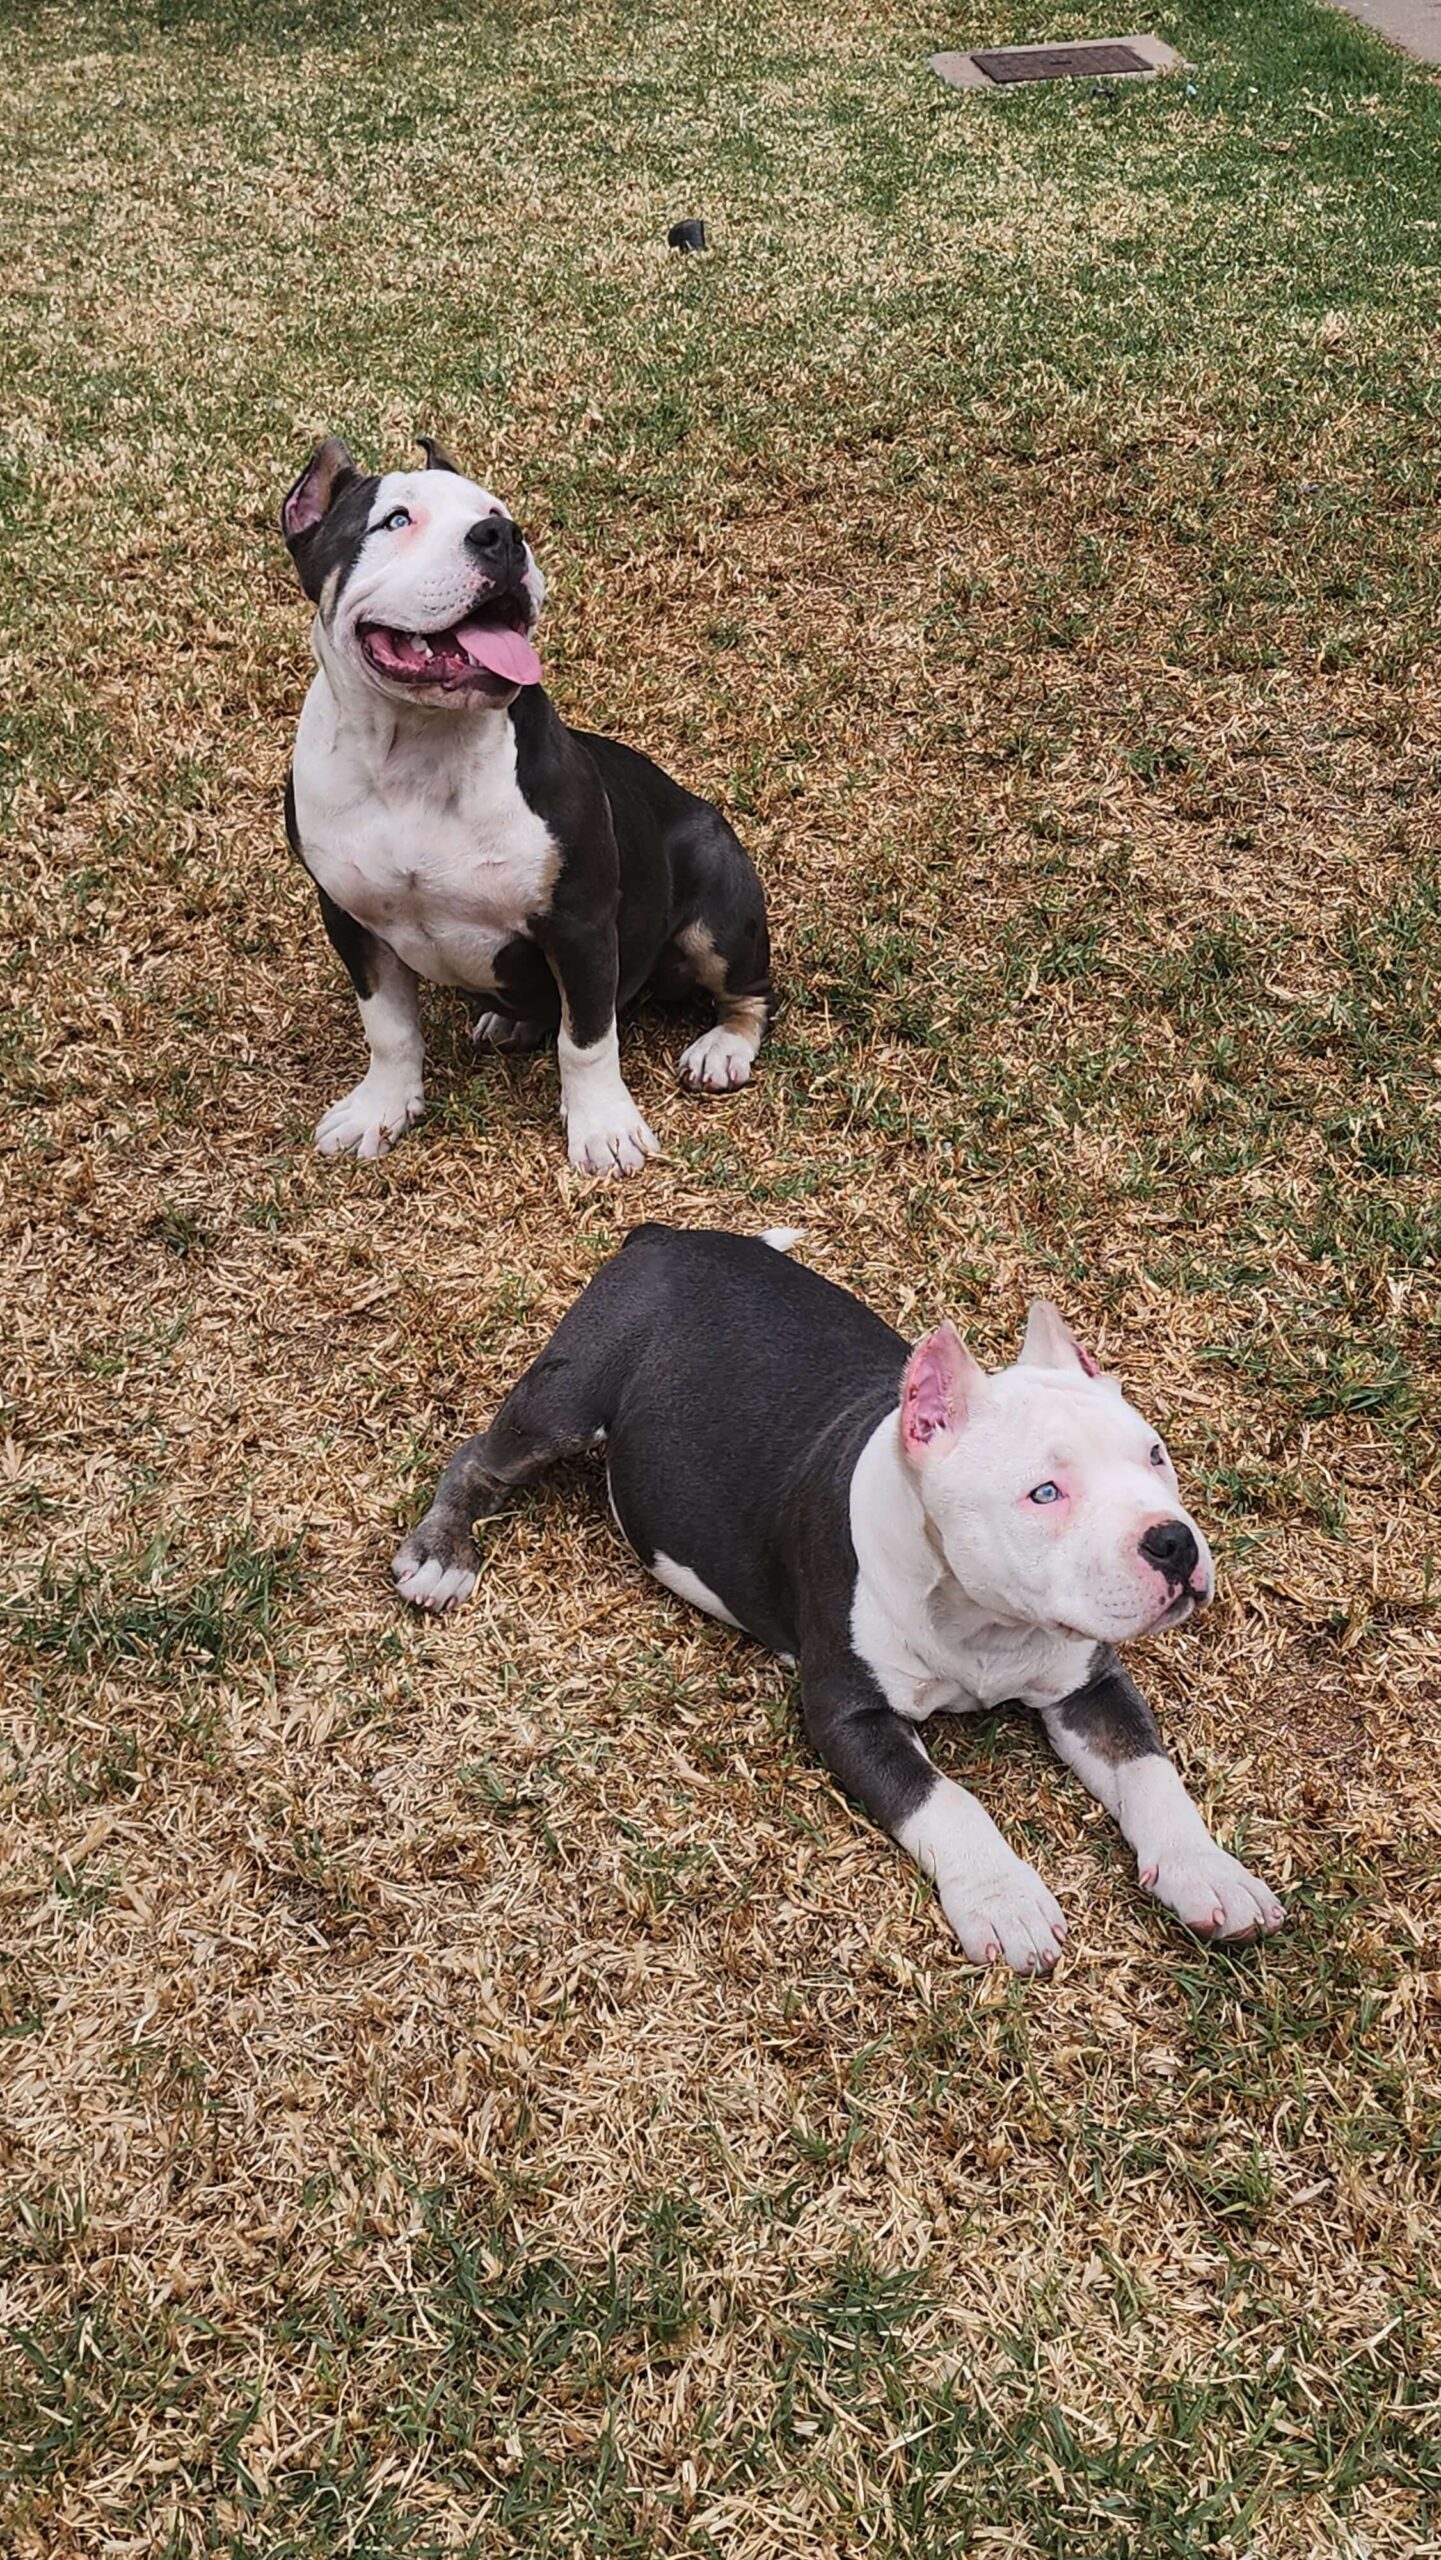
457,830
916,1534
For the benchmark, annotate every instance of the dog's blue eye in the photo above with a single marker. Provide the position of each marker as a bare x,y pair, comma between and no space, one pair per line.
393,522
1158,1455
1045,1493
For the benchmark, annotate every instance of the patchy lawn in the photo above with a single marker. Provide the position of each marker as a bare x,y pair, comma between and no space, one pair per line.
477,2088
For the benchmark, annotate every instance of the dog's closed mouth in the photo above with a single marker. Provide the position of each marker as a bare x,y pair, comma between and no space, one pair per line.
490,652
1178,1610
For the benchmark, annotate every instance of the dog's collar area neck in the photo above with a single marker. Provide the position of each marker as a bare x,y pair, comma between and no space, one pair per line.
381,723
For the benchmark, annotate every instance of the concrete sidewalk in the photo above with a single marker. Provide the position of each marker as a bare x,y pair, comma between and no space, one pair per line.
1412,25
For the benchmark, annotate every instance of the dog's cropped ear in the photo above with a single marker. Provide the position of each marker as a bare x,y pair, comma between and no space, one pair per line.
329,471
436,457
937,1391
1050,1343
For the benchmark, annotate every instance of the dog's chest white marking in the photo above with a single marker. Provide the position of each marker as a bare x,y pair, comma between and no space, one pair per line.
421,833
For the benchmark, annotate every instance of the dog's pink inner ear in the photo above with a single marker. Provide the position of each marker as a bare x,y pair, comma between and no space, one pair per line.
1050,1343
317,488
940,1374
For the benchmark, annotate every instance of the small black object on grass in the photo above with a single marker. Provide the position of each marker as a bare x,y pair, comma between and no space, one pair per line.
686,235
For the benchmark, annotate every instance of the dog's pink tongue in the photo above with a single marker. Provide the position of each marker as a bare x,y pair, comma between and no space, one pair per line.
508,654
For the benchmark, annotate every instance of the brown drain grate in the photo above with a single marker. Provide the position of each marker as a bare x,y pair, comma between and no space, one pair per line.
1059,62
1015,66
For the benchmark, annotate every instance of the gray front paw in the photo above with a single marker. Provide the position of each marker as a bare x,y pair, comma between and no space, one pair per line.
437,1567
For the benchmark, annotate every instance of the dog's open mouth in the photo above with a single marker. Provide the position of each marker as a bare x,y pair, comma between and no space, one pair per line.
491,652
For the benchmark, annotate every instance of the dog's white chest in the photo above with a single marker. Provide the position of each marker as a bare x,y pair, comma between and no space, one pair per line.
423,837
925,1669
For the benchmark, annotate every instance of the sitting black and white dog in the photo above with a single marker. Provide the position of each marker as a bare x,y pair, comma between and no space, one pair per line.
457,830
916,1534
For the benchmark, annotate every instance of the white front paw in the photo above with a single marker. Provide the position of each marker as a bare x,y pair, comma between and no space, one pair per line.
717,1062
616,1142
368,1121
1005,1913
1213,1893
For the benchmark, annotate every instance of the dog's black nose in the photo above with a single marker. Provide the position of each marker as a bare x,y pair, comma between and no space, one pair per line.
1171,1547
492,539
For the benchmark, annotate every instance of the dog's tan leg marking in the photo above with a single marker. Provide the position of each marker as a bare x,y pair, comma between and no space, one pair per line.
721,1059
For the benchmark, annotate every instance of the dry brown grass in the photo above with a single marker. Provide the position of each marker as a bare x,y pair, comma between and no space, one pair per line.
478,2087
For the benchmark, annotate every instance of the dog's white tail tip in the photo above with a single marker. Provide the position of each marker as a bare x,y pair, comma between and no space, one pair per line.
780,1239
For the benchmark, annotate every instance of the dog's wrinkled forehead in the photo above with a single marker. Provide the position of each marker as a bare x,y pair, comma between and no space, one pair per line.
1092,1416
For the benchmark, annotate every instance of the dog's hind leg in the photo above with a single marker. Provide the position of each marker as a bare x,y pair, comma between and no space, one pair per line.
724,949
721,1058
508,1032
536,1426
560,1406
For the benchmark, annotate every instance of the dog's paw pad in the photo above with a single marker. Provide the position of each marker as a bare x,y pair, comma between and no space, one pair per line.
717,1062
1214,1894
1006,1916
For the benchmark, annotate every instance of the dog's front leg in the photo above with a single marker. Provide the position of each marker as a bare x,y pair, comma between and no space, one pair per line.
1107,1734
391,1094
997,1905
604,1131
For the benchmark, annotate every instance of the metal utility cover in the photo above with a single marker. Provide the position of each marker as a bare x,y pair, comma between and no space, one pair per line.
1058,61
1016,66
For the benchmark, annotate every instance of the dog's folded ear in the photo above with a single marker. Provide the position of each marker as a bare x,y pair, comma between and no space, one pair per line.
1050,1343
329,471
941,1382
436,457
